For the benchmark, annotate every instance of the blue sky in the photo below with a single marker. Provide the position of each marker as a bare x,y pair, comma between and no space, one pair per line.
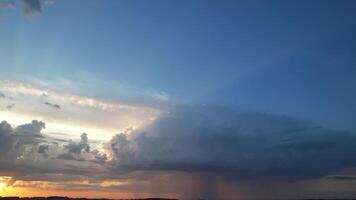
197,68
293,58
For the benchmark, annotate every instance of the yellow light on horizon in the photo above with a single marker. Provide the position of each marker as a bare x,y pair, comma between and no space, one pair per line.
16,119
2,185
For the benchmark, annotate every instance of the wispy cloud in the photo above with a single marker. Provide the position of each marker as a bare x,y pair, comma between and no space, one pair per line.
81,111
7,5
53,105
10,106
26,89
31,7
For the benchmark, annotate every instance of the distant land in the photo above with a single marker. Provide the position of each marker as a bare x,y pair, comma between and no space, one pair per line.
68,198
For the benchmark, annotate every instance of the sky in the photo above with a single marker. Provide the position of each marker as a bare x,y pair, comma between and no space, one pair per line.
181,99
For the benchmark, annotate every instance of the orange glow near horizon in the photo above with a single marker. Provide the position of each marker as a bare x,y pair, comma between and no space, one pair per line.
46,189
36,192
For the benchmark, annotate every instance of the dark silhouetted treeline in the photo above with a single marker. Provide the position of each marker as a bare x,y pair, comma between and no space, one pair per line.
67,198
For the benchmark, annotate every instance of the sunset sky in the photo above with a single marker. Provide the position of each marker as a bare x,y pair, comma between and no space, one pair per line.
212,99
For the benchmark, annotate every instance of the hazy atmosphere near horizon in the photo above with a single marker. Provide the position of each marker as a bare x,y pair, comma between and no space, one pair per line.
184,99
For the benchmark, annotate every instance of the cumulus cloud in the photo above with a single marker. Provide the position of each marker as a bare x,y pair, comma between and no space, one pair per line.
34,128
43,149
16,143
75,150
237,144
5,137
80,151
207,143
25,147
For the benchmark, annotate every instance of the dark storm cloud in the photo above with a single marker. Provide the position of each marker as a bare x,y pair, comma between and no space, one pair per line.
31,7
236,144
53,105
205,142
343,178
2,95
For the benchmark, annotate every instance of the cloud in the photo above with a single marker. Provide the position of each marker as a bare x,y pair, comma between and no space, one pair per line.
43,149
158,96
210,144
30,90
25,150
53,105
9,107
343,178
2,95
6,141
31,7
16,143
34,128
7,5
236,144
75,150
99,117
81,152
48,2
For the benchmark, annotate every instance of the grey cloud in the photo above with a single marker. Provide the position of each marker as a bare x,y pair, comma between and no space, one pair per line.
82,146
31,7
10,106
43,149
34,128
81,152
48,2
99,157
207,140
3,96
6,140
235,143
53,105
18,142
342,178
7,5
25,150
